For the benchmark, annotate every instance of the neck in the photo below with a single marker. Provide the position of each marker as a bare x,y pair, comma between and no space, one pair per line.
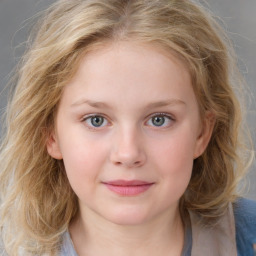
163,235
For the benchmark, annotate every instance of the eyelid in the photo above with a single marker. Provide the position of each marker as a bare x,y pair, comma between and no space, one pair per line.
84,117
161,114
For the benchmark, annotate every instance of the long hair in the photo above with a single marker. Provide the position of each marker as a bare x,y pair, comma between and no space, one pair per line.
37,202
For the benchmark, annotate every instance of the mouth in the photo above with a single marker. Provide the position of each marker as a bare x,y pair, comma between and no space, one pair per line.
128,188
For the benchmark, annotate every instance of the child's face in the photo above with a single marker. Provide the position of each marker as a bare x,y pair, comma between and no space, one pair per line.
129,114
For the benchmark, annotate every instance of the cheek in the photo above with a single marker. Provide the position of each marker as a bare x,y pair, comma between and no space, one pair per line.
174,160
83,159
175,154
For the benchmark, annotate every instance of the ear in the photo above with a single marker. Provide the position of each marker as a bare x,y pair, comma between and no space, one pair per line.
53,147
205,134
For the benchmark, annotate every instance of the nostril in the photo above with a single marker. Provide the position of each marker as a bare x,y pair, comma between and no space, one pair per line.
137,163
128,156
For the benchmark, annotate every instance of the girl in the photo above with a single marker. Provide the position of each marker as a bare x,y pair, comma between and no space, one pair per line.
123,136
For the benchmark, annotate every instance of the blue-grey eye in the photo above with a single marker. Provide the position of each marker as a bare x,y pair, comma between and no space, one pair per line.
160,121
96,121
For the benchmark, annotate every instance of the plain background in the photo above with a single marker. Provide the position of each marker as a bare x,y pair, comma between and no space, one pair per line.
238,16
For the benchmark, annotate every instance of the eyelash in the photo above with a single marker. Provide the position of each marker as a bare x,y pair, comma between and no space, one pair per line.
91,126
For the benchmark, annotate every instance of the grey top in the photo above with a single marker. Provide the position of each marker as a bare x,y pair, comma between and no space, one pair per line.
67,248
198,241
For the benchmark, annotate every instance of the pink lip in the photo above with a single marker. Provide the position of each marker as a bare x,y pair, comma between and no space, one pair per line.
128,188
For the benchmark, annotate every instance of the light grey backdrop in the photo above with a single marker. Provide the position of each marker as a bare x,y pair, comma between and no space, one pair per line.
238,15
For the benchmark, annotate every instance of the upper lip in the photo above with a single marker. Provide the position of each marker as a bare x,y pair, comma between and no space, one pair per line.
128,182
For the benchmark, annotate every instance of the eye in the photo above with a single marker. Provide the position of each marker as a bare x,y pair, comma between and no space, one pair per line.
160,120
95,121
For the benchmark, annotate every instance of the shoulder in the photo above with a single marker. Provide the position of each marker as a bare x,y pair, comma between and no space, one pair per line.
245,224
245,212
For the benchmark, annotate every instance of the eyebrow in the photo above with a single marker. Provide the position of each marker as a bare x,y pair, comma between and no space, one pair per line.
99,104
95,104
165,103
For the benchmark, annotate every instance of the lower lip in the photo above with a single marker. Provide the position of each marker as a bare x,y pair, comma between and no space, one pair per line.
129,190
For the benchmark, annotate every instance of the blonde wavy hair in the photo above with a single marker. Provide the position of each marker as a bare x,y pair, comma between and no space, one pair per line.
37,202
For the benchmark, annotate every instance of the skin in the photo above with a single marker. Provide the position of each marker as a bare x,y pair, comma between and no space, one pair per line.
129,85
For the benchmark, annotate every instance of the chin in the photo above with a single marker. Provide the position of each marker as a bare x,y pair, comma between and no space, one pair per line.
128,217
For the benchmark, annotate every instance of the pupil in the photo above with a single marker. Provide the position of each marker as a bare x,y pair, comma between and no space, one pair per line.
97,121
158,121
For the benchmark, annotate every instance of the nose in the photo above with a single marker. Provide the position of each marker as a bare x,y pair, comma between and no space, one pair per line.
128,150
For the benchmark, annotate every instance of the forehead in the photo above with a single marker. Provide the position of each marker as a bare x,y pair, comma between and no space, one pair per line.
126,69
136,53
